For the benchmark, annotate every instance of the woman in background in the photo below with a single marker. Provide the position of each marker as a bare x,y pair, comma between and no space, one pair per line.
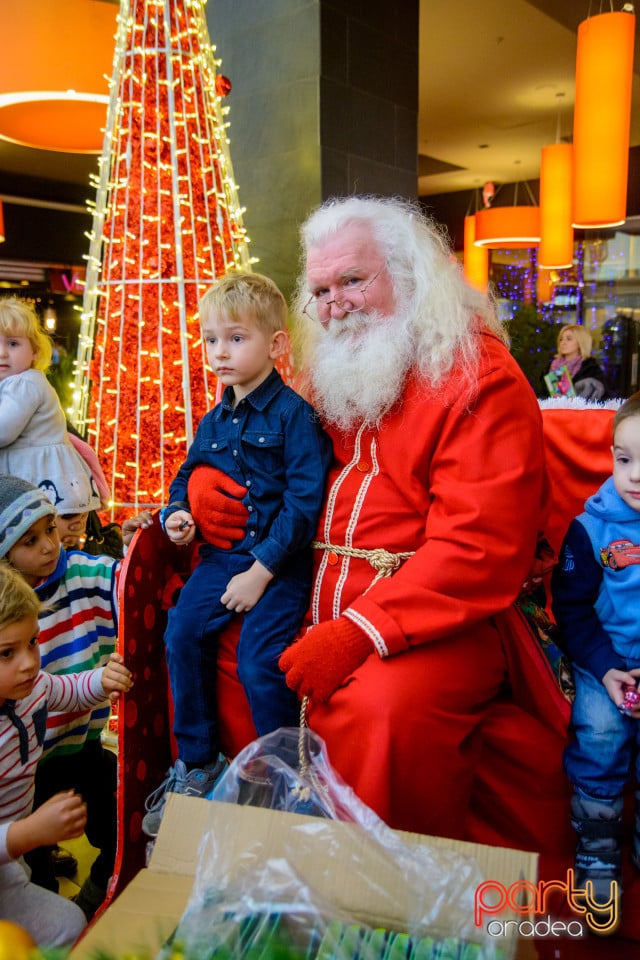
574,351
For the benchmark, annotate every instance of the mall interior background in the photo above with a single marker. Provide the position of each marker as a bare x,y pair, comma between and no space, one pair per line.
325,100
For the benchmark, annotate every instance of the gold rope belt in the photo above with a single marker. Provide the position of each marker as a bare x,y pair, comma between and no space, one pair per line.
383,561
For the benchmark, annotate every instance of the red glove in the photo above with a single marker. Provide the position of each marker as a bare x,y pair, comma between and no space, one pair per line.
323,658
220,519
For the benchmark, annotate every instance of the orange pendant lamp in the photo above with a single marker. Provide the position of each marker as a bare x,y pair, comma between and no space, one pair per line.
56,61
476,259
545,282
601,118
556,232
515,227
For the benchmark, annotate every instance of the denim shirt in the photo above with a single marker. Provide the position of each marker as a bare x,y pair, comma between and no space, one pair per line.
272,443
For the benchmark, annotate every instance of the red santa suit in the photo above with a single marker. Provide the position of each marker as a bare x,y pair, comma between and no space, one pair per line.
453,725
454,483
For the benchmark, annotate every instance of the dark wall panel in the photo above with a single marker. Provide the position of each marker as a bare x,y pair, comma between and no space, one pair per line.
324,102
271,54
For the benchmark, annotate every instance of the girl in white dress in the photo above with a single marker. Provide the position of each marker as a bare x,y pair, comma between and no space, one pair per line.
34,442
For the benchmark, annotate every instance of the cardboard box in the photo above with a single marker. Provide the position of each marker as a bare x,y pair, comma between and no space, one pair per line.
147,912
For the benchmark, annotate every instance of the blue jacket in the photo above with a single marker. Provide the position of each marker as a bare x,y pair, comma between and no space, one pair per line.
596,585
272,443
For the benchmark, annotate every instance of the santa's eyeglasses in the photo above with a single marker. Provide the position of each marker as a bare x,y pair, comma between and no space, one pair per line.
351,298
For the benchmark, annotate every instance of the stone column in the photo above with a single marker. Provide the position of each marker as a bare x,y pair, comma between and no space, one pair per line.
324,102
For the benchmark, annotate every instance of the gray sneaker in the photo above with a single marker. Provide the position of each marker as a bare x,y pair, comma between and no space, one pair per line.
194,783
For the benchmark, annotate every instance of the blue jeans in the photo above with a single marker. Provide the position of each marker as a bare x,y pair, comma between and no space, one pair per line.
599,760
191,640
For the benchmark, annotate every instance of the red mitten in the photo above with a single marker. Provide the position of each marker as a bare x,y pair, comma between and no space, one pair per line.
323,658
220,518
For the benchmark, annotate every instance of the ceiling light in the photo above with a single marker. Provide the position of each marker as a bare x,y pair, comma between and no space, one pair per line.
56,102
556,232
511,227
602,111
476,259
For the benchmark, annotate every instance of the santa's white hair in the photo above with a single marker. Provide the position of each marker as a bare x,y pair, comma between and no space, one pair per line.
435,306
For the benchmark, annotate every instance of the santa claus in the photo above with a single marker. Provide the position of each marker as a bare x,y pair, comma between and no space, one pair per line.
433,507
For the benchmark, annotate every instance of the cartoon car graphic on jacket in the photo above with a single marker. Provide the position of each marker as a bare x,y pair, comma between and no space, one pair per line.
620,554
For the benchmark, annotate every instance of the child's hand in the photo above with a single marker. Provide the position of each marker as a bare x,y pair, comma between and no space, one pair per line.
245,589
617,684
129,527
180,527
116,678
61,817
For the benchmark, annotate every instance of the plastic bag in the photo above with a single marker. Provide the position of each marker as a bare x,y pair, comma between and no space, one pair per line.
260,896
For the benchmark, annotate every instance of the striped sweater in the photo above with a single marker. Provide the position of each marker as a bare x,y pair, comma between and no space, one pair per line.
78,631
18,761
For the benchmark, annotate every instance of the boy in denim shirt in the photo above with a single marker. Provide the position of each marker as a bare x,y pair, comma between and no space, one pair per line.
269,440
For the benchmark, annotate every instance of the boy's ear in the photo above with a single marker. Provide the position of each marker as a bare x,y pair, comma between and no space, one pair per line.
279,344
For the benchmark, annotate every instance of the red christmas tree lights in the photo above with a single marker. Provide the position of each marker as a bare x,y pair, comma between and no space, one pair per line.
166,223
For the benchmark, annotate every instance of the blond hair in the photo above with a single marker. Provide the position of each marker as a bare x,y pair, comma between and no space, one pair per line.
19,319
630,408
17,600
584,338
249,293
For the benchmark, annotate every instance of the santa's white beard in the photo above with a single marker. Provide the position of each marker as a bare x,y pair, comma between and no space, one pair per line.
359,366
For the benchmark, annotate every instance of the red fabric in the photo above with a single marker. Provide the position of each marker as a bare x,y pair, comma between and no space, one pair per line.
519,795
406,732
215,505
531,678
144,714
515,745
323,658
577,445
464,490
236,723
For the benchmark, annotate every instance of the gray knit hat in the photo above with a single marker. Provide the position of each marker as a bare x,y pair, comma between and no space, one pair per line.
21,504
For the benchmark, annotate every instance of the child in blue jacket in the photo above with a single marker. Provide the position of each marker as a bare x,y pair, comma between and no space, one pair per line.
596,602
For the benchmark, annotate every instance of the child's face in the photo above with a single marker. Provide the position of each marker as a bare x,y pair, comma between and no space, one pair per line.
19,659
626,461
36,553
16,355
239,353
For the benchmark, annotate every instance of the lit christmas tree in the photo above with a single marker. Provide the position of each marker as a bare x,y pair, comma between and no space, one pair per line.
166,223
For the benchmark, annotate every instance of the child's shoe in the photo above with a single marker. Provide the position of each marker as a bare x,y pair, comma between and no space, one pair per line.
598,857
90,897
64,862
194,783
